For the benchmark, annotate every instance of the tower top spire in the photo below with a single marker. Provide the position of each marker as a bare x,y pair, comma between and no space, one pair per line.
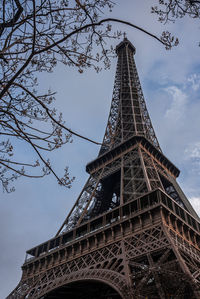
125,43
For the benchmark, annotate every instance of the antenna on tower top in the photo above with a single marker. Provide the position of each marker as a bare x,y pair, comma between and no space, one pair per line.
124,35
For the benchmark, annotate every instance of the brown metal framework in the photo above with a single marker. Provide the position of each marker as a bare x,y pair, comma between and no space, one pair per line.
131,233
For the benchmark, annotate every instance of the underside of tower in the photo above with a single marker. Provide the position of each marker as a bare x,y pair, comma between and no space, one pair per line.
132,233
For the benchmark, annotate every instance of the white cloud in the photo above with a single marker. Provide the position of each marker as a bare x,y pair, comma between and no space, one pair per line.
195,201
194,80
193,151
177,107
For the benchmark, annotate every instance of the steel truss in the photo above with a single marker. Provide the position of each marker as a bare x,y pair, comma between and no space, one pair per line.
136,255
131,233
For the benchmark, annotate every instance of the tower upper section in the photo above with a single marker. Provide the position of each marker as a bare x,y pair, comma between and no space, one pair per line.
128,114
130,164
123,44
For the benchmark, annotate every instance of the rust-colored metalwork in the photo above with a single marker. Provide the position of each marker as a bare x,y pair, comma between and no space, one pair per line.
132,233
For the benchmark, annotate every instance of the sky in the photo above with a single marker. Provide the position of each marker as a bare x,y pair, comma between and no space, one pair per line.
171,83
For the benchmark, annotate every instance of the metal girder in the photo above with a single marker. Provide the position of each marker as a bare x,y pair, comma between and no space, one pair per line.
131,230
128,114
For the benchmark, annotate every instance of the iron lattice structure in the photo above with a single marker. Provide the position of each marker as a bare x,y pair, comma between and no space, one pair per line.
132,233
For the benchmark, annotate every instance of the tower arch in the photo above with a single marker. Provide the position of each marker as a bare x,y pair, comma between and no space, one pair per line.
85,284
85,289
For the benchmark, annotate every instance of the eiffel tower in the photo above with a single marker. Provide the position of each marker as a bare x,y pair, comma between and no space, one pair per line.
132,233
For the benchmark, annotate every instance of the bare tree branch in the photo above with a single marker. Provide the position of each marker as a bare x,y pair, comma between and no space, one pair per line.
52,118
35,37
15,18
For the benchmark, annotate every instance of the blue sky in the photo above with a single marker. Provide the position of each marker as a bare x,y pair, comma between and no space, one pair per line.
171,84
